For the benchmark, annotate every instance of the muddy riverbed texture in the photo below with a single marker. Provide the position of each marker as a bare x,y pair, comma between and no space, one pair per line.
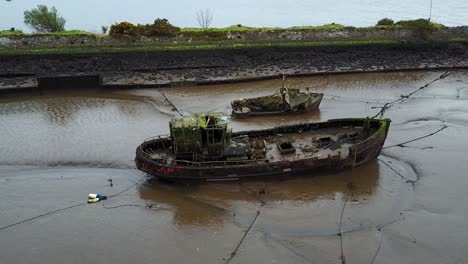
19,73
406,206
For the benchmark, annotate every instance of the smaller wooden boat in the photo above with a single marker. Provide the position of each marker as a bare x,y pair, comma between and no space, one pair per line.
284,101
200,147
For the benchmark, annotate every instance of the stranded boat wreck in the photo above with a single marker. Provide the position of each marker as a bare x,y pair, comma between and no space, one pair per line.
284,101
201,147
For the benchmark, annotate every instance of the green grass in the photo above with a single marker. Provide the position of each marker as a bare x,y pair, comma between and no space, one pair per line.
234,28
10,33
182,47
332,26
65,33
189,47
204,39
463,40
60,33
242,28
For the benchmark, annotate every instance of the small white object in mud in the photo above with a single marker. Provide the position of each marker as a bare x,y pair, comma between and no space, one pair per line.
94,198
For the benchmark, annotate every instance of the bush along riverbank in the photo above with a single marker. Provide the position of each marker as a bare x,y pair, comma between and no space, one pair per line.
162,35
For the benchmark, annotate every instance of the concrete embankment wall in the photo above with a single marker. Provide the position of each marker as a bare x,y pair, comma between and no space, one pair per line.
222,61
20,74
276,36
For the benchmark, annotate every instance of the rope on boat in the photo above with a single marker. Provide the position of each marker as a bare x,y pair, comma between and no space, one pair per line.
147,206
394,170
381,227
374,257
171,104
130,187
333,97
66,208
340,234
416,139
234,252
404,97
340,231
45,214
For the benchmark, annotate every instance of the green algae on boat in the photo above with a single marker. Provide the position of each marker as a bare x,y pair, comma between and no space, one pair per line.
283,101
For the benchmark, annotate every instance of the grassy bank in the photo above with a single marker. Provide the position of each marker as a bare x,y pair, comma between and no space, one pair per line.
185,47
6,33
188,30
233,29
174,47
11,33
241,28
233,37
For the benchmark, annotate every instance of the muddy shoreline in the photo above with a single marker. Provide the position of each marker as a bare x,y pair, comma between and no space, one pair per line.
406,206
129,70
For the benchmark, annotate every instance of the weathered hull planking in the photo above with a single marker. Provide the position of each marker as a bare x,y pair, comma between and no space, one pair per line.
277,104
312,107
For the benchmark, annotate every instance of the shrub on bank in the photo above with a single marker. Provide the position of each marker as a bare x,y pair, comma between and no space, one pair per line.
122,29
44,19
385,22
423,28
160,27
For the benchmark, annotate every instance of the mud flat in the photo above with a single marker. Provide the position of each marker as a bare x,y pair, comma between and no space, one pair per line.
407,206
128,70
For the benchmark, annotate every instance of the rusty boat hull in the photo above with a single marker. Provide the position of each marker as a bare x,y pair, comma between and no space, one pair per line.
355,154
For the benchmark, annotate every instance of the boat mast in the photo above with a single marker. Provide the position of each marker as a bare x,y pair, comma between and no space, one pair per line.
430,12
283,90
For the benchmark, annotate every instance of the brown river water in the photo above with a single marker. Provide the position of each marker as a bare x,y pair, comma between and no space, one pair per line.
408,206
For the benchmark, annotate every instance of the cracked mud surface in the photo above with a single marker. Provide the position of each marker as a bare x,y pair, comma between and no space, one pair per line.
407,206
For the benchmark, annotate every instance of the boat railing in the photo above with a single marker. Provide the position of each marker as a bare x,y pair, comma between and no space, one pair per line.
148,140
173,162
363,145
202,163
213,163
156,137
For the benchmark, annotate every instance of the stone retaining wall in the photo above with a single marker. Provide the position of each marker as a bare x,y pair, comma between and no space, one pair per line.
19,74
50,41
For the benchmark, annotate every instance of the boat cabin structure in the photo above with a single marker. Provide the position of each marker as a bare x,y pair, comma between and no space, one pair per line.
201,136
